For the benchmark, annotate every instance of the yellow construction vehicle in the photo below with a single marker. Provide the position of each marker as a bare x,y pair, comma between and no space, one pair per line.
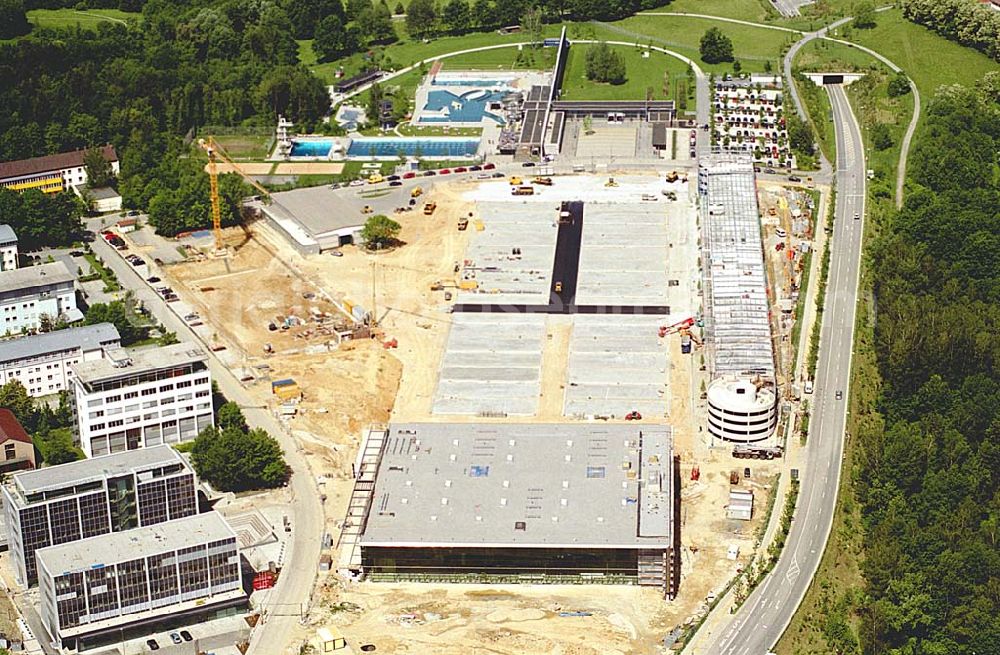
611,182
416,192
429,208
514,180
672,176
215,153
375,178
367,209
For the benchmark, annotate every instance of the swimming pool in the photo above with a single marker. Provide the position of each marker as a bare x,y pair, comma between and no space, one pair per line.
312,148
476,83
469,107
392,147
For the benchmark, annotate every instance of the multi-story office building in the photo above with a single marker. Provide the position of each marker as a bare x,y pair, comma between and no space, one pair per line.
128,401
8,248
67,503
51,173
42,362
28,294
96,590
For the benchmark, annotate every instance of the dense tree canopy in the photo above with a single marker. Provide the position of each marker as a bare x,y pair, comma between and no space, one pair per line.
421,18
380,231
232,458
118,314
715,47
930,487
971,23
605,65
41,218
13,20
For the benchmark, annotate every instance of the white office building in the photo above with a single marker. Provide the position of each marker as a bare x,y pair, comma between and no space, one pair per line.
147,398
99,590
42,362
28,294
8,248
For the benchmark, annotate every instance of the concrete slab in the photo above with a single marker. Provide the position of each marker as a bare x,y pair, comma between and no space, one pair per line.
492,365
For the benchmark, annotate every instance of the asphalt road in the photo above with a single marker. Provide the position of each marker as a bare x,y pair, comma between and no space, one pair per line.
760,622
291,595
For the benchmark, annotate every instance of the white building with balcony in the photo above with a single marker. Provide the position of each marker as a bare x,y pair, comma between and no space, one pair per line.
29,294
42,362
147,398
8,248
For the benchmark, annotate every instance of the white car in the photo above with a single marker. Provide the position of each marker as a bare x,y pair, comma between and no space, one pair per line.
357,182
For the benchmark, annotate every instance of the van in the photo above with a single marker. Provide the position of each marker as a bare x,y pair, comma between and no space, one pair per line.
781,233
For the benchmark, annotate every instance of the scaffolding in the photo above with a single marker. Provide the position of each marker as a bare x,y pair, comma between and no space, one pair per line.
737,316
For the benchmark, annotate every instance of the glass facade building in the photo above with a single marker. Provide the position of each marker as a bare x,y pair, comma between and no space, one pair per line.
84,499
116,580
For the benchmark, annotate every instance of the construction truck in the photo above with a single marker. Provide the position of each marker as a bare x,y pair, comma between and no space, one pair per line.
523,190
429,208
463,224
749,451
611,182
416,192
672,176
544,181
514,180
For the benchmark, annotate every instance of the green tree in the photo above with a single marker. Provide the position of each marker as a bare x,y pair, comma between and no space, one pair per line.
715,47
235,460
421,18
399,10
375,24
457,16
14,396
116,313
531,24
864,15
230,415
98,169
13,20
898,86
56,446
881,136
380,231
332,40
800,136
305,14
605,65
41,219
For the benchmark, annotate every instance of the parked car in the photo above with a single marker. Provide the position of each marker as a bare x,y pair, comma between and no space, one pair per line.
152,644
445,171
336,253
357,183
152,279
429,173
528,164
186,636
483,176
395,183
392,178
138,261
461,169
498,174
794,178
176,638
475,167
769,171
409,175
489,167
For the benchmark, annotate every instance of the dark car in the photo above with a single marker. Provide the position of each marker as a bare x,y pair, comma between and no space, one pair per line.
413,201
794,178
528,164
138,261
395,183
77,253
152,644
392,178
489,167
475,168
429,173
185,635
769,171
498,174
152,279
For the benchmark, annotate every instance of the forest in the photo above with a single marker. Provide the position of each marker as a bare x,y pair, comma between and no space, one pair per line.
930,487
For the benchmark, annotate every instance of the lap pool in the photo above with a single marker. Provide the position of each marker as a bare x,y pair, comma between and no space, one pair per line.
385,147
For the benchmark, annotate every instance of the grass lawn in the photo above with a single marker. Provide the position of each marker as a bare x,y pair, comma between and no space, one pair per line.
642,74
246,146
751,45
88,20
757,11
503,59
930,60
436,130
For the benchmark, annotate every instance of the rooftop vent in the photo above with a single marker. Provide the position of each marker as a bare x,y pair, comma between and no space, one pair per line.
520,525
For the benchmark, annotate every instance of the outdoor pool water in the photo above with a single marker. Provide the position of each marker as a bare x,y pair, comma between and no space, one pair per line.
470,107
392,147
313,148
482,83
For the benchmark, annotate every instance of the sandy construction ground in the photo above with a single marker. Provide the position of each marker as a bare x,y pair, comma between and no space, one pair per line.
309,168
260,168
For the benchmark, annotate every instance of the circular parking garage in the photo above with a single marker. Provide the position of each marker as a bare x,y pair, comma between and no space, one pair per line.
741,409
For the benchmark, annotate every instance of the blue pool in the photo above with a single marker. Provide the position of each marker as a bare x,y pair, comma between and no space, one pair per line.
311,148
476,83
470,107
392,147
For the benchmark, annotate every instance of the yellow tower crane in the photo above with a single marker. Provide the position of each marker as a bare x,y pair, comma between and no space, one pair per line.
215,153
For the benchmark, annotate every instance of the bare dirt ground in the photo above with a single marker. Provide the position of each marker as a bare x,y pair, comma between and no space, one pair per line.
309,168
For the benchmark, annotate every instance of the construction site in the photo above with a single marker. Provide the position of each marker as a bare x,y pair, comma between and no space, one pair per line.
525,335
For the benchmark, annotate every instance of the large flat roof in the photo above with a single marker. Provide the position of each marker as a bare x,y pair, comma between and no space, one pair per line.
88,337
737,318
85,470
115,547
523,485
319,210
35,276
151,359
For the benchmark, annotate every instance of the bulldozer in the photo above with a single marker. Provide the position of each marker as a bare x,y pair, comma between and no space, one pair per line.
611,183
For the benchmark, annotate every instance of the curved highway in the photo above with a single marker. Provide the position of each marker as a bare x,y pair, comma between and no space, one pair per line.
761,620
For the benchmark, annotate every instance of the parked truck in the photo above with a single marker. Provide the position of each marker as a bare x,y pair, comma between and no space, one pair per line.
749,451
544,181
523,190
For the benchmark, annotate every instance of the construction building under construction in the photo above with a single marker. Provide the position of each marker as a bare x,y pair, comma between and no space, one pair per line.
538,503
739,350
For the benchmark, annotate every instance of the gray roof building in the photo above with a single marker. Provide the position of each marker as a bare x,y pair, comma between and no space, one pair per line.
120,364
88,337
35,276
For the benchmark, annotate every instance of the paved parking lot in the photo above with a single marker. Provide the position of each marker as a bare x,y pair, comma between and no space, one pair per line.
617,364
492,364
